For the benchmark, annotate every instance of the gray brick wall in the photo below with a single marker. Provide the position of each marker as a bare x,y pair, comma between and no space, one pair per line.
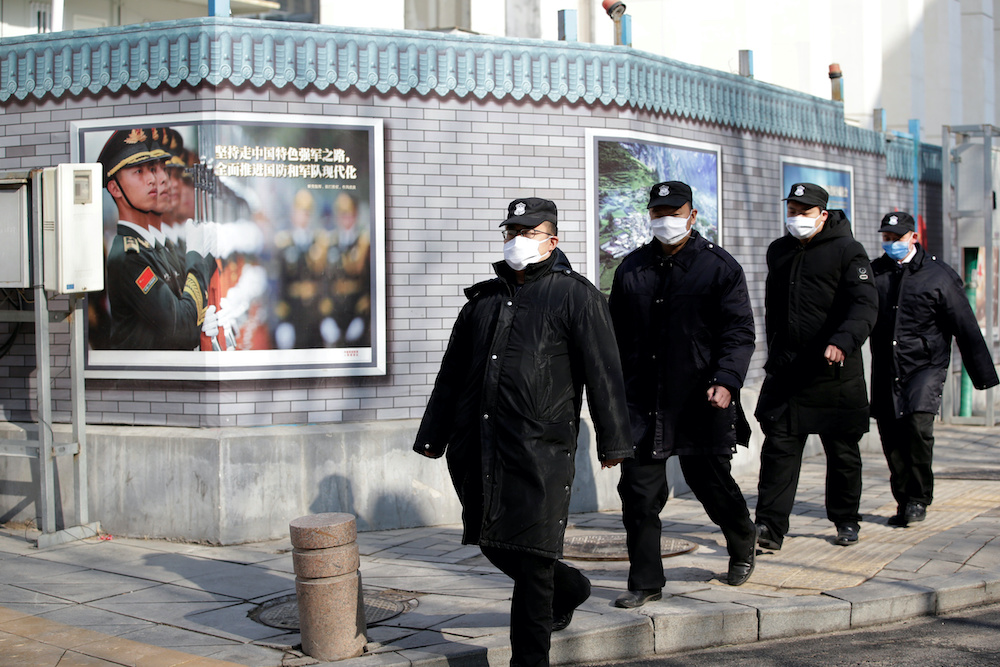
452,165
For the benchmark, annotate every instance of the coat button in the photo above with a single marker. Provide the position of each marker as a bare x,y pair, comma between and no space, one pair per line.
561,522
427,446
510,303
486,416
893,342
654,356
566,488
566,272
493,356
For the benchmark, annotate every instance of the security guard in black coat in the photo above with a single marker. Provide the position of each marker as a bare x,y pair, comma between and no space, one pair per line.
921,307
820,306
506,409
684,327
146,314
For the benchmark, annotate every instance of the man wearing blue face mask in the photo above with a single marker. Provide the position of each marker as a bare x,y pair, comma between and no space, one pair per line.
506,407
820,306
921,307
685,330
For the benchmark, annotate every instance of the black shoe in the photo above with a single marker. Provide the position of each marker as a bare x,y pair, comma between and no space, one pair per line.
846,536
766,539
633,599
740,570
561,620
915,511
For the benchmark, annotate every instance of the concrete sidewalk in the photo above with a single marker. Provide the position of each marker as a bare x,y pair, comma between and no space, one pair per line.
150,602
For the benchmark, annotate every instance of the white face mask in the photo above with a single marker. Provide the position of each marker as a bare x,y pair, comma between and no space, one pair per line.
521,251
669,229
802,227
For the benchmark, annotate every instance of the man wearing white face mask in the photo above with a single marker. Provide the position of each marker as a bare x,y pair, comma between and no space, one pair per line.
921,307
820,306
685,331
506,406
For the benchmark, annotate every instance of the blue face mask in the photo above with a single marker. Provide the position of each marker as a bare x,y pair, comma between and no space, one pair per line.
896,249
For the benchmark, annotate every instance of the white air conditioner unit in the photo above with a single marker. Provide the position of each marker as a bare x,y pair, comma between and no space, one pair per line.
73,228
15,238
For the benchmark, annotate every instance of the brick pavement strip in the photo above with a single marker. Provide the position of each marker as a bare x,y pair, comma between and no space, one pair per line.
458,614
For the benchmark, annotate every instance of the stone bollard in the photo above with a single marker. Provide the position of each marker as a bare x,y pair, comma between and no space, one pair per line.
328,585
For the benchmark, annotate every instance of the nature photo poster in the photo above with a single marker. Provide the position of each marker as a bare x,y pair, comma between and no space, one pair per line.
621,169
836,179
294,206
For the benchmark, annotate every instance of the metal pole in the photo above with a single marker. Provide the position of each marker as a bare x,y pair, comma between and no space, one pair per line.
46,461
990,273
78,407
915,133
947,230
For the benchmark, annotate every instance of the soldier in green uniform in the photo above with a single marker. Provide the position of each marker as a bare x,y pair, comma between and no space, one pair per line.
146,314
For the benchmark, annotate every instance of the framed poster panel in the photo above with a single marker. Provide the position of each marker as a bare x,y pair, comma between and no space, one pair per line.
836,179
621,169
279,219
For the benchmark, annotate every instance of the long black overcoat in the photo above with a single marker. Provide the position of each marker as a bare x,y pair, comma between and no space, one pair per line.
684,323
506,403
817,294
921,307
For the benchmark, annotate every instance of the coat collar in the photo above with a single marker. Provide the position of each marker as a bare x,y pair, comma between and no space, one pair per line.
686,255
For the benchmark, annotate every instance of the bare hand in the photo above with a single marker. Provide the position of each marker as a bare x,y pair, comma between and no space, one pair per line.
719,396
833,355
610,463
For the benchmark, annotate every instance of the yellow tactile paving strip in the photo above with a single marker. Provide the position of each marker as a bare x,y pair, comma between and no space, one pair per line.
31,641
806,564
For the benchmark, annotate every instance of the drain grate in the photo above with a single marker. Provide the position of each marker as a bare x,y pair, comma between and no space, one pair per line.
283,612
612,547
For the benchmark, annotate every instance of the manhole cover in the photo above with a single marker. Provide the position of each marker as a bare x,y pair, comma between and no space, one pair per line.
612,547
973,474
283,612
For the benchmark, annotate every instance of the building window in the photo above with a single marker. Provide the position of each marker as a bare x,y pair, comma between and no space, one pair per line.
41,16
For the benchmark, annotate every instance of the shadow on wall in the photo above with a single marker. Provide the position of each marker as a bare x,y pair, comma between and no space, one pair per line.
385,511
20,484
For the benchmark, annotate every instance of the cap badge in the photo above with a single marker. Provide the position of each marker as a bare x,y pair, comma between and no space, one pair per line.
893,220
664,190
519,209
799,191
135,136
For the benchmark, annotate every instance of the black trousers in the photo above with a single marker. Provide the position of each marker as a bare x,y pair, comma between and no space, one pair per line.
643,490
908,444
780,464
542,586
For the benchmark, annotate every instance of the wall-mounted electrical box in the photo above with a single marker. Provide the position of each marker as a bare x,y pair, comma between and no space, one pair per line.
15,238
73,228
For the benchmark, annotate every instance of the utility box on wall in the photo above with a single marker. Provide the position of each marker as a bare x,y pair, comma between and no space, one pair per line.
73,228
15,237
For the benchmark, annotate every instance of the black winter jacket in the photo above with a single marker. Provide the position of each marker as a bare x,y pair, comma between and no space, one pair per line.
921,307
683,323
817,294
507,401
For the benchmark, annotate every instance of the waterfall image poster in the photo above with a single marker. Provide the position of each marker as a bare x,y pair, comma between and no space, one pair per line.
621,169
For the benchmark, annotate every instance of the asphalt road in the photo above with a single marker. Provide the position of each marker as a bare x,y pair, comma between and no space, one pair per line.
970,638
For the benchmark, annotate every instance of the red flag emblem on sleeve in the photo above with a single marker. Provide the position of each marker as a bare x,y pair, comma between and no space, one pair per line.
146,280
